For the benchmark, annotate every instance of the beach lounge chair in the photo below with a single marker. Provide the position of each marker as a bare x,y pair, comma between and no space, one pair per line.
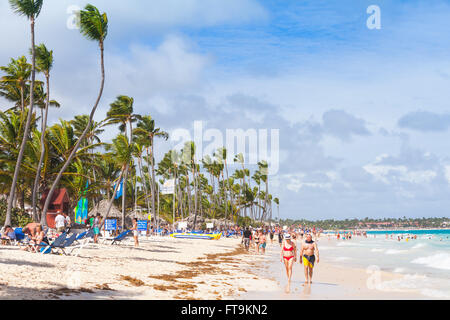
85,237
67,244
56,243
120,237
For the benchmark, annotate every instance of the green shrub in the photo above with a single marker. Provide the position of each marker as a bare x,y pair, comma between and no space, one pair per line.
18,217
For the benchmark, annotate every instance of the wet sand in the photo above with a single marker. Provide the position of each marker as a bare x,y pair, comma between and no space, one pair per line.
330,281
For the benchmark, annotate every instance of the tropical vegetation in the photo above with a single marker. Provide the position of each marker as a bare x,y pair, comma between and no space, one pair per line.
37,157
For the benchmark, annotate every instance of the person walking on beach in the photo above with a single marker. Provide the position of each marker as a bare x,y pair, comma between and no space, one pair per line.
68,222
246,238
135,232
280,237
308,253
60,222
256,239
263,241
288,257
96,227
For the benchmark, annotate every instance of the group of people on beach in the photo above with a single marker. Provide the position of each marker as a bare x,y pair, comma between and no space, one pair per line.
307,251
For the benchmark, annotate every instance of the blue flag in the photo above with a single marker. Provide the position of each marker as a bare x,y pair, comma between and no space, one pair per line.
119,190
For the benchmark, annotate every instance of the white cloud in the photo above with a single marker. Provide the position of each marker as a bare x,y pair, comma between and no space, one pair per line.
388,173
170,67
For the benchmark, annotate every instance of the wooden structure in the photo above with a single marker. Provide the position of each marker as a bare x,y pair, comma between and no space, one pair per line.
59,203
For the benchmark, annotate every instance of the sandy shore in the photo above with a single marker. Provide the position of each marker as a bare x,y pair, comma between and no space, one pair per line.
162,268
330,281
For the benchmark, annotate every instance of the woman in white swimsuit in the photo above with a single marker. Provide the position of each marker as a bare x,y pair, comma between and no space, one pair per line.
135,233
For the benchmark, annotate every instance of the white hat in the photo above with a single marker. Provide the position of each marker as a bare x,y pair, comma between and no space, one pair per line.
287,236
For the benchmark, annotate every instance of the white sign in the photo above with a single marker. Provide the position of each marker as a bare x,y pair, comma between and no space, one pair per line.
182,225
168,187
210,225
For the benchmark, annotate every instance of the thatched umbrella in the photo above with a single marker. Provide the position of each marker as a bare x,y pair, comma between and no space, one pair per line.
102,207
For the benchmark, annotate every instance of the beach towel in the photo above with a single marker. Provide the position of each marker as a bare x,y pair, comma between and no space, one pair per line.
45,249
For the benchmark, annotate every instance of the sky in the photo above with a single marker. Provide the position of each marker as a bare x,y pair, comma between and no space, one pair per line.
363,114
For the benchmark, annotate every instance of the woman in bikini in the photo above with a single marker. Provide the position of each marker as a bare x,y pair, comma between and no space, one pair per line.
256,239
288,256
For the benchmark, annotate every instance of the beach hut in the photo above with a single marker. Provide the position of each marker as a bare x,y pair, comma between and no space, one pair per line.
101,208
59,203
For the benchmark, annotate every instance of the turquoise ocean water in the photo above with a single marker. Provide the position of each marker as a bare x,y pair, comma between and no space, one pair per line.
424,262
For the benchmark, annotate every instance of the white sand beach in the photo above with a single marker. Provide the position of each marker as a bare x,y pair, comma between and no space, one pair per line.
167,268
161,268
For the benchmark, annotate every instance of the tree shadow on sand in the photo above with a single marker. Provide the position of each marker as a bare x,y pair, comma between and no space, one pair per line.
100,292
27,263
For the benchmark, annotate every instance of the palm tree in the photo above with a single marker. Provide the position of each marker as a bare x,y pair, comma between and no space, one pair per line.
30,9
147,129
10,137
44,63
264,175
94,26
277,201
122,154
13,84
121,111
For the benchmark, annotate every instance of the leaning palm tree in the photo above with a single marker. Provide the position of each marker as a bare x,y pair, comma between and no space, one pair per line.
94,26
44,63
30,9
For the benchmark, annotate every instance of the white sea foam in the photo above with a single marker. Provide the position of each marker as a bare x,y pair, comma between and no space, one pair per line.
377,250
342,259
399,270
435,293
395,251
325,248
407,282
437,261
350,244
419,245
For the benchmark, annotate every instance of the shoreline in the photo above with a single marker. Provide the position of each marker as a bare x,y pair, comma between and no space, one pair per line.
389,230
167,268
336,281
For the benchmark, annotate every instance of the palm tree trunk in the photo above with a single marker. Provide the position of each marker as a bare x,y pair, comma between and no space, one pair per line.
174,198
124,195
153,177
22,99
77,145
195,194
144,183
41,159
26,131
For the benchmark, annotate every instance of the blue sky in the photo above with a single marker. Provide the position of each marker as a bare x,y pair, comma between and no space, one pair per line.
363,114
